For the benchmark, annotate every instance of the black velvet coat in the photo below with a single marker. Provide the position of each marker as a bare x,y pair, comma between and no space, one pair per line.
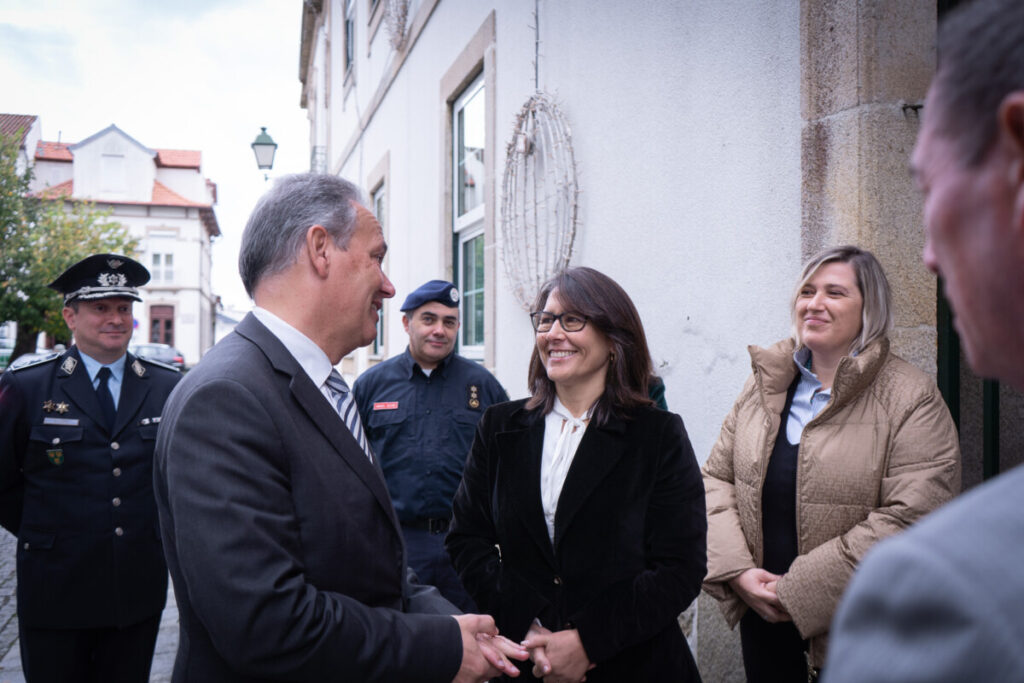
629,551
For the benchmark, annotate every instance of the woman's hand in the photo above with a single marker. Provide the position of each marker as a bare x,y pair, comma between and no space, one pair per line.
757,588
566,660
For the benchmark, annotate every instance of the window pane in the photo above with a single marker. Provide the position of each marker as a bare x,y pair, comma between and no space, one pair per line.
470,155
473,291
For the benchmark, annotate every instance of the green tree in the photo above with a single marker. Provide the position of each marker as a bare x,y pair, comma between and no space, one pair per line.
41,236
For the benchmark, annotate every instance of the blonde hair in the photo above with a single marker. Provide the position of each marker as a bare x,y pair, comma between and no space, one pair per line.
876,312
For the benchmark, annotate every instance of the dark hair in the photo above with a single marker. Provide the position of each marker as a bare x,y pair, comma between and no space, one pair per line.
980,62
609,310
278,225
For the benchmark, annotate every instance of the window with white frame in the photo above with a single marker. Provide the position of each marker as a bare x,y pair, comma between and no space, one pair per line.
378,200
350,35
469,127
162,267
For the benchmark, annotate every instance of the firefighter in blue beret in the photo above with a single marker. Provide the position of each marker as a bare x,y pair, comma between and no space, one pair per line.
420,410
77,431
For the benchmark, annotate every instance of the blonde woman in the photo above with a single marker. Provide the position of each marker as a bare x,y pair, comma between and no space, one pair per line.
833,444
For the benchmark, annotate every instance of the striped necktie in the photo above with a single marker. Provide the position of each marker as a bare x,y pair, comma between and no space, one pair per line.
345,404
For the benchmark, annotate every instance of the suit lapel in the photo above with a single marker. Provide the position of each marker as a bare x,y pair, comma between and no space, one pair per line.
519,456
599,451
73,380
134,388
320,412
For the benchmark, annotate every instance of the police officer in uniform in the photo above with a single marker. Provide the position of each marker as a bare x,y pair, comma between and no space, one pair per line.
77,432
420,410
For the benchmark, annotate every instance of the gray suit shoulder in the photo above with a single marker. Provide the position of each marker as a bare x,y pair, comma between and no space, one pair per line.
941,601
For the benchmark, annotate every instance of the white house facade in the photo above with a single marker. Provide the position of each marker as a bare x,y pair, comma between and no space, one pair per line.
162,198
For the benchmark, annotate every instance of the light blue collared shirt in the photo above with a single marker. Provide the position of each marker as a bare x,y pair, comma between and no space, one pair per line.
304,350
92,366
809,399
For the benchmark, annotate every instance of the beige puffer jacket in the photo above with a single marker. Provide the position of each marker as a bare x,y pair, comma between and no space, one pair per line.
883,453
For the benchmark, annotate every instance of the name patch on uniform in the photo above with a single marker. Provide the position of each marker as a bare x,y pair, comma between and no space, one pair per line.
386,405
61,421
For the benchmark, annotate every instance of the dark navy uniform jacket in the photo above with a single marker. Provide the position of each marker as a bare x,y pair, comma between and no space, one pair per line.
421,427
79,498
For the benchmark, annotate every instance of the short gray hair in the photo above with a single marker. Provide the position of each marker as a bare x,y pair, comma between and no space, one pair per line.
876,313
278,225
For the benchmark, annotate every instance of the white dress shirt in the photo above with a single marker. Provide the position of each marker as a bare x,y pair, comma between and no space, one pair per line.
562,436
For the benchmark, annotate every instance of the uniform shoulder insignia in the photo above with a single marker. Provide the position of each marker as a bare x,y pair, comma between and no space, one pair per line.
140,370
33,363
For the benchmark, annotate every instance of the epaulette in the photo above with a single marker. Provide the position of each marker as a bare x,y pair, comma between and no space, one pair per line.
38,361
159,364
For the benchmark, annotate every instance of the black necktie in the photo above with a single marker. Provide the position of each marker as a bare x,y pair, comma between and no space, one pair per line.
106,400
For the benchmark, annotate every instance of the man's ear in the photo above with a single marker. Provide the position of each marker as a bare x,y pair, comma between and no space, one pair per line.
1010,119
405,322
318,242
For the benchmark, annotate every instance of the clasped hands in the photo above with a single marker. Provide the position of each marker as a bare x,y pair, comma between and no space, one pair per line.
757,588
558,657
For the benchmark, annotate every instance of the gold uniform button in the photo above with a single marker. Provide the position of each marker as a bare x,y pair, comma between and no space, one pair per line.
116,502
117,471
119,531
115,445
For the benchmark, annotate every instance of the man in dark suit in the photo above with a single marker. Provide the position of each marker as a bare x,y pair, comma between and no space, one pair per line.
942,602
77,432
285,552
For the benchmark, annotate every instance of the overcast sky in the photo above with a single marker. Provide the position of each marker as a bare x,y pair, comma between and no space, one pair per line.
177,74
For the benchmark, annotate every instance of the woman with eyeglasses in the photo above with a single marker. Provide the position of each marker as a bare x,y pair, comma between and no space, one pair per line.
833,444
579,524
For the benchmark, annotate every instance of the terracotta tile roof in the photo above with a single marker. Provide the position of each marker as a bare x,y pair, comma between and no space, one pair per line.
13,124
65,190
53,151
178,158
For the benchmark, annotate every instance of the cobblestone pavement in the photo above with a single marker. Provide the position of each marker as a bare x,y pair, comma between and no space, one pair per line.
10,657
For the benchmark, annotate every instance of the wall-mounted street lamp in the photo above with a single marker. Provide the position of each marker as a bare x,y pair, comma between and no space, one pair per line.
264,148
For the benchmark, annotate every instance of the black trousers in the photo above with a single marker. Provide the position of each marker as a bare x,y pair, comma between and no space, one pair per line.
92,655
772,653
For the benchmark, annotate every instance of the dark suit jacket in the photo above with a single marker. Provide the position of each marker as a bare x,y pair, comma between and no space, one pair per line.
80,498
286,556
629,552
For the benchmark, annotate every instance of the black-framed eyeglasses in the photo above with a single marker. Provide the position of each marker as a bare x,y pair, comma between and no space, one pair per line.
570,322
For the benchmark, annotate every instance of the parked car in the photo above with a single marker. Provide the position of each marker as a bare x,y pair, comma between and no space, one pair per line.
6,346
160,352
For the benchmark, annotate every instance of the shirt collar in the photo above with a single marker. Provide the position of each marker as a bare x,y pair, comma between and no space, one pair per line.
92,366
411,364
307,354
802,358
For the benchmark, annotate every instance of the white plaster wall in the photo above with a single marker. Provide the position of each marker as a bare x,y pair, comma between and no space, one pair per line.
188,182
50,173
138,174
686,127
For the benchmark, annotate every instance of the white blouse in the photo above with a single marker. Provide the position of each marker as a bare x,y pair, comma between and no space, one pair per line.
562,436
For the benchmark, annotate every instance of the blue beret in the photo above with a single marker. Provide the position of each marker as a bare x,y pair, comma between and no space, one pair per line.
435,290
102,276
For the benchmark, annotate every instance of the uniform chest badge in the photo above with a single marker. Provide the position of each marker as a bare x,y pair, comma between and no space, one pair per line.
55,455
62,407
386,405
49,405
473,398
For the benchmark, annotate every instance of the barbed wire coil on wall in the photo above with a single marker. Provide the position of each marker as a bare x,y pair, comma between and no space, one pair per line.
539,203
